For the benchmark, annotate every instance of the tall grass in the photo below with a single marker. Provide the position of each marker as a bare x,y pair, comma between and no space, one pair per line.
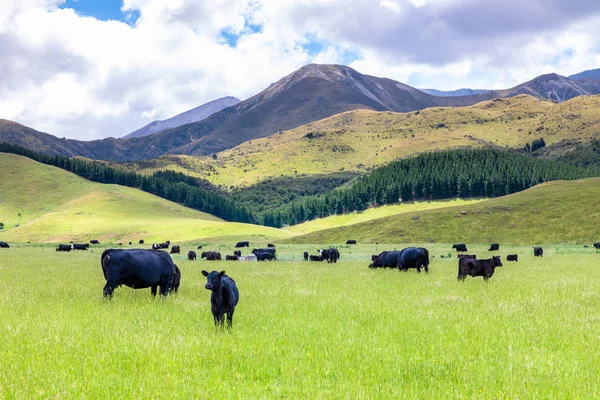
304,330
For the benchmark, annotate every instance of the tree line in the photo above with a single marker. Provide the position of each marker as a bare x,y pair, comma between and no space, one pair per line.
438,175
174,186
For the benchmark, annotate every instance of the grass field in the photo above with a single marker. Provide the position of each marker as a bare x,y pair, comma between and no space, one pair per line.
51,205
305,330
552,212
359,140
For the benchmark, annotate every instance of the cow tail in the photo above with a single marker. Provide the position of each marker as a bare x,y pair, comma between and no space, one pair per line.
104,259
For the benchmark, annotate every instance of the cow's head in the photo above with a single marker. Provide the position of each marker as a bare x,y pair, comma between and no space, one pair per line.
203,255
213,280
176,280
497,261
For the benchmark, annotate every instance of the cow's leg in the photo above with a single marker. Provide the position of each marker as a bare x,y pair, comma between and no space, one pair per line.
165,284
108,291
419,269
153,290
230,318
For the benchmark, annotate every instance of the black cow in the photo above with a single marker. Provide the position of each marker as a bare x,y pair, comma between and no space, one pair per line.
485,268
4,245
211,255
267,250
473,256
120,244
264,256
512,257
77,246
494,247
316,258
231,258
242,244
130,243
224,296
141,241
175,250
165,245
350,241
410,257
156,246
191,255
270,245
305,256
237,253
139,269
460,247
63,247
331,255
199,247
538,251
94,241
596,245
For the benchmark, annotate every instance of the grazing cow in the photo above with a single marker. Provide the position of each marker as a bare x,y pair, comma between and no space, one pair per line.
237,253
120,244
141,241
156,246
191,255
512,257
63,247
77,246
267,250
350,241
270,245
165,245
316,258
331,255
139,269
4,245
374,257
175,250
211,255
264,256
538,251
199,247
224,296
460,247
305,256
231,258
596,245
94,241
130,243
242,244
410,257
494,247
485,268
472,256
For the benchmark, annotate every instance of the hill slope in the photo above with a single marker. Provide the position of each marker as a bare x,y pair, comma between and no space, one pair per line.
194,115
453,93
49,204
553,212
593,74
362,139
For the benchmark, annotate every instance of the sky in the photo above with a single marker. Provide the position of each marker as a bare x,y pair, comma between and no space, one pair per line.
90,69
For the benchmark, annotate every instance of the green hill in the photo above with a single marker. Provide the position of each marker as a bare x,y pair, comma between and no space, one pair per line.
362,139
553,212
41,203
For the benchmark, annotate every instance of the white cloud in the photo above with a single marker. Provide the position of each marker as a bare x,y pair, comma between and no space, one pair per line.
80,77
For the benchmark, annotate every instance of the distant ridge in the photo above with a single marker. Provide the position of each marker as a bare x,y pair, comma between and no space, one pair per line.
194,115
591,74
453,93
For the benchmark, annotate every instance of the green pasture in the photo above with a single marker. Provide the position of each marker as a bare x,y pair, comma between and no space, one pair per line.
305,330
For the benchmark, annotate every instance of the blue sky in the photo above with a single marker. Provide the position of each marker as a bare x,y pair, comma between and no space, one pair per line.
103,10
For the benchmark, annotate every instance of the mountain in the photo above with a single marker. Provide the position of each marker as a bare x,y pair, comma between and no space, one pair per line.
454,93
592,74
194,115
309,94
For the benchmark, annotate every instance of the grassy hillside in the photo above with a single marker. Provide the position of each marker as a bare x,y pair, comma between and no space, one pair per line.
553,212
359,140
375,213
50,204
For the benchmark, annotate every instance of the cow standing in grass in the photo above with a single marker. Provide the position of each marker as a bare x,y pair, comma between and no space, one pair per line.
485,268
538,251
223,298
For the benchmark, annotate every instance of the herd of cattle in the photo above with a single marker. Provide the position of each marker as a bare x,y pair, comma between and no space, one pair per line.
154,269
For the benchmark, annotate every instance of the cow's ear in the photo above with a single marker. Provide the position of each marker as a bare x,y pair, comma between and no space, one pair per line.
205,273
221,273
